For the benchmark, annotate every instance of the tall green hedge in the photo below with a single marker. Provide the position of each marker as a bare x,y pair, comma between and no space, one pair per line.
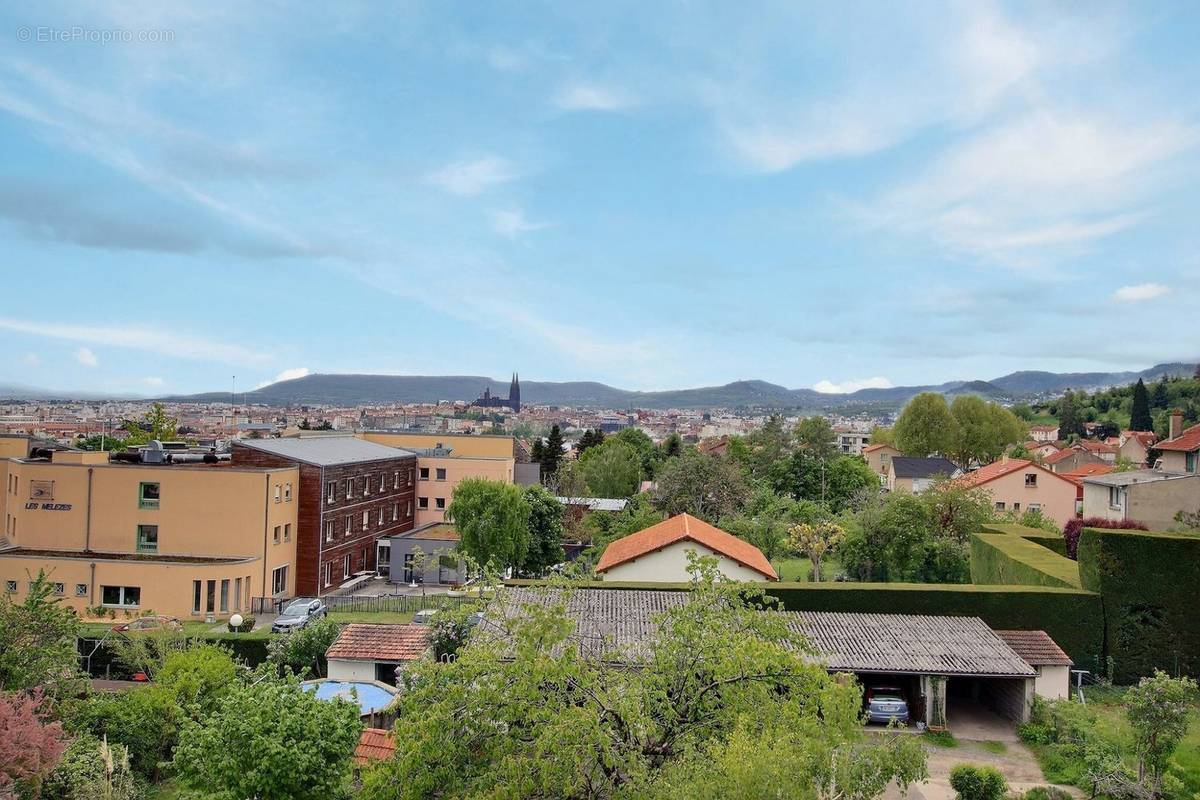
1013,560
1051,539
1150,584
1072,617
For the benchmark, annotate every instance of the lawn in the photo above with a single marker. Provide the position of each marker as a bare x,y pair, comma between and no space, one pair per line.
393,617
800,569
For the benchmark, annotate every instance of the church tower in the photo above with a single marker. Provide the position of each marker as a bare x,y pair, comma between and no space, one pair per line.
514,393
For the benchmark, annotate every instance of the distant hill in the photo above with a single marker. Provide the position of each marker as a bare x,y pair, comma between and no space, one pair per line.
1032,383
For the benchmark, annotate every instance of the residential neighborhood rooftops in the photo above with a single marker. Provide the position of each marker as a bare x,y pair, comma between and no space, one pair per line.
1061,455
998,469
1133,476
1185,442
440,531
904,467
389,643
374,744
685,527
871,448
1077,475
325,451
1036,648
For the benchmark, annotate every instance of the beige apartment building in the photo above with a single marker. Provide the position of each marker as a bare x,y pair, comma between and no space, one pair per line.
187,540
1019,485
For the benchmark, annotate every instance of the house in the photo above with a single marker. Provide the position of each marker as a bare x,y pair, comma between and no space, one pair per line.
915,475
714,446
1043,433
1040,450
879,459
1101,450
375,652
1070,458
1076,477
1017,484
1180,451
850,440
374,744
660,553
1053,666
1150,496
436,540
1134,446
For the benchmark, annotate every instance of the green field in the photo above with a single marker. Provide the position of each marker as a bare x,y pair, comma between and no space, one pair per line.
800,569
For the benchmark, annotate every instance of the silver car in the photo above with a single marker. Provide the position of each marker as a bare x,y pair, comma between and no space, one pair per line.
886,703
298,613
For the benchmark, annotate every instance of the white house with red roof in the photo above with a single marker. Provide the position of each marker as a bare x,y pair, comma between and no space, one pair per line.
1180,451
1017,484
660,553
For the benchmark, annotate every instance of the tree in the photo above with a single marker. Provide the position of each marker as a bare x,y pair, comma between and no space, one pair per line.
145,721
1158,709
591,438
882,435
537,451
648,453
545,532
814,541
723,676
925,426
766,446
302,651
93,769
552,451
1160,398
672,446
271,740
37,642
1070,422
492,519
982,430
816,434
1139,414
709,487
30,745
612,469
154,424
567,481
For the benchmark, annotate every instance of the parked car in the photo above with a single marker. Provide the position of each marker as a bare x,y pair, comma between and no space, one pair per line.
424,616
153,622
299,613
886,703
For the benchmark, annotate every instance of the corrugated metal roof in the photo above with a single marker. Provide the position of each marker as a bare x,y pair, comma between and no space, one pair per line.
325,451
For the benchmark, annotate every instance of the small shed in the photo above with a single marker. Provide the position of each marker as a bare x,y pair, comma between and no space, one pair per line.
1052,665
372,652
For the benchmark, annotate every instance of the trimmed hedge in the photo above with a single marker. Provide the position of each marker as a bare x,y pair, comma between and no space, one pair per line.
1149,584
1073,617
1013,560
1050,539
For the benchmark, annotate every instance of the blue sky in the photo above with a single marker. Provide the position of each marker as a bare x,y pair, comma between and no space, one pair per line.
650,195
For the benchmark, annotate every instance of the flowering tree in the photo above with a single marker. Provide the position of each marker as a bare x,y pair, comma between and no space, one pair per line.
815,540
1157,709
30,745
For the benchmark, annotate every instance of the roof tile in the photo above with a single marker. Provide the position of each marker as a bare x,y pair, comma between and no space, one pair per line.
388,643
1036,647
685,527
1185,442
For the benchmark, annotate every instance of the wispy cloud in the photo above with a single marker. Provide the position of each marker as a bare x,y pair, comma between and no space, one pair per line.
473,176
153,380
286,375
31,360
592,97
1140,292
853,385
512,223
134,337
86,357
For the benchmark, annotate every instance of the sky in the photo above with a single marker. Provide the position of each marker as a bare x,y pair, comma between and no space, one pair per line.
652,195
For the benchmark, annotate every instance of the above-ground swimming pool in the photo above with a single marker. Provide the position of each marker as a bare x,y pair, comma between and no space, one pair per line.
371,696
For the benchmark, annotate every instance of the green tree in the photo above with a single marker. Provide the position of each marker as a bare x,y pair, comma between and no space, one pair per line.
882,435
591,438
982,430
815,541
765,447
598,529
612,469
648,453
817,436
709,487
1070,420
145,721
545,532
271,740
93,769
1139,415
302,651
1160,398
154,424
492,519
672,446
1158,709
925,427
552,451
37,642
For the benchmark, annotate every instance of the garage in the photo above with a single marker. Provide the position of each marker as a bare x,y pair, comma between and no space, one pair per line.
952,671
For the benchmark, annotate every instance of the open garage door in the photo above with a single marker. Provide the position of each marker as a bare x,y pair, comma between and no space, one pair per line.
987,708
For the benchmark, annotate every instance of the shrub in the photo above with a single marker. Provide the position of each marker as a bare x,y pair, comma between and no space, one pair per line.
977,783
1074,527
1047,793
246,626
999,558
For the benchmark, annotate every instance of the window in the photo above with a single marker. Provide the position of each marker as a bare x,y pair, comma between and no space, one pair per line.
349,524
346,567
396,479
440,473
1030,480
147,538
1114,497
1035,507
196,594
424,473
362,560
1016,506
330,489
210,597
237,593
440,502
278,533
383,481
287,492
422,502
395,511
287,531
1189,462
999,505
410,476
380,516
349,487
10,586
366,485
408,509
279,580
81,590
60,589
329,531
225,595
327,573
278,493
366,519
124,596
148,495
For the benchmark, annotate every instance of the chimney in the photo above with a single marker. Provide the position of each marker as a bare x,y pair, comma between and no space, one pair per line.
1176,426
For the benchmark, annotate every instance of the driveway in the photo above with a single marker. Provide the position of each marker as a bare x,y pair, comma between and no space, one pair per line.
970,720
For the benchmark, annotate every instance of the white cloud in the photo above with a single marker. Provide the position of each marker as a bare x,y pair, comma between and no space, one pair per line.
1139,292
286,375
846,387
31,360
86,357
588,97
473,176
511,223
151,340
153,381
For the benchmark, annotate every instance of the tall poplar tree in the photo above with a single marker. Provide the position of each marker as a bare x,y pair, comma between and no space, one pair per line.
1139,417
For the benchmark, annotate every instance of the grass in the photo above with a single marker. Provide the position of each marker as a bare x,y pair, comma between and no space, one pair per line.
940,738
394,617
800,569
994,747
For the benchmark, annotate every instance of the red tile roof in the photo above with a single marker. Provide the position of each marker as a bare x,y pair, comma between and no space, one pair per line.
374,744
998,469
1036,648
873,447
1147,438
685,527
1077,475
388,643
1043,428
1094,447
1185,442
1061,455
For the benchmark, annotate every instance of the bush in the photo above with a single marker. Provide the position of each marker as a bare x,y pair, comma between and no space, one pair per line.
1005,559
977,783
1047,793
246,626
91,769
1074,527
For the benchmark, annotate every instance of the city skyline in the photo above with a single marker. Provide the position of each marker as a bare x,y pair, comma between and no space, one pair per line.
650,198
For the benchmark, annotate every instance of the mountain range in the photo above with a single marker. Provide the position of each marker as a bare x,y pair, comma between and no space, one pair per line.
337,389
